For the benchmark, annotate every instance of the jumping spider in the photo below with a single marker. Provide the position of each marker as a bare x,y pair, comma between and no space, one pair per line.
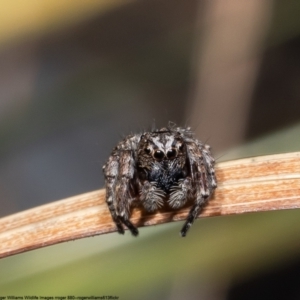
165,165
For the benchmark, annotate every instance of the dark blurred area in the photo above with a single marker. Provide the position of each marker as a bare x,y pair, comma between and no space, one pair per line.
281,283
276,102
69,93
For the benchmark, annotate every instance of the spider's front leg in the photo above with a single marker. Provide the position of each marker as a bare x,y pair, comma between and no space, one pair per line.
123,192
119,173
204,180
110,170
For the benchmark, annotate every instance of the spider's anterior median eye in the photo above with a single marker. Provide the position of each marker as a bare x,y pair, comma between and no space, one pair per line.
159,154
171,153
147,150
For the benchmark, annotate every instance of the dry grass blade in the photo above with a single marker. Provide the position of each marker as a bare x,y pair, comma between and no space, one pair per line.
247,185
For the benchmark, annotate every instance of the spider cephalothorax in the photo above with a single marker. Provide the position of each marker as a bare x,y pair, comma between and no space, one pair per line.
166,165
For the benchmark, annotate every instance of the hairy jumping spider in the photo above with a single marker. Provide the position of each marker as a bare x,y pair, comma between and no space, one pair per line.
165,165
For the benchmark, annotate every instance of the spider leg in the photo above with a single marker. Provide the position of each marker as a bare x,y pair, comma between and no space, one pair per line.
119,174
204,180
210,162
180,193
134,231
123,193
111,170
202,195
193,214
151,196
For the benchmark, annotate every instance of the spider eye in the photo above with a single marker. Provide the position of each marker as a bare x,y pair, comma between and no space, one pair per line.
147,150
171,154
159,155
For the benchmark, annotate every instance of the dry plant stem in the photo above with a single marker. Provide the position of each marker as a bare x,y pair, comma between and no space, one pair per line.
246,185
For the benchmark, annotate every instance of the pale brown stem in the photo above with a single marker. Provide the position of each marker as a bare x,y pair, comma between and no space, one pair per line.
246,185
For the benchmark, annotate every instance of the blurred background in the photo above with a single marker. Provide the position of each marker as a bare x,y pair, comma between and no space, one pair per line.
77,76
